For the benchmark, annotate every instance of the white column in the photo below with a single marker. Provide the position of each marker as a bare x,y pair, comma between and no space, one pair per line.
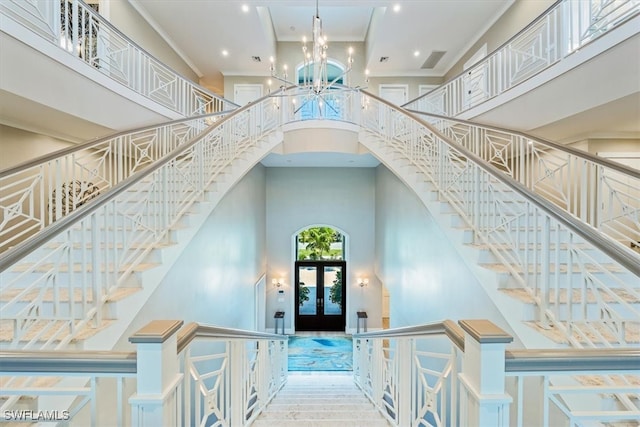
156,401
483,400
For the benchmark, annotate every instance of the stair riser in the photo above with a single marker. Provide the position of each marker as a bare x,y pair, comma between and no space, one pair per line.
79,256
505,280
320,423
531,312
319,415
47,310
563,256
129,220
134,280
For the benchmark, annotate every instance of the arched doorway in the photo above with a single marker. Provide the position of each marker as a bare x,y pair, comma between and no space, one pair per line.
320,273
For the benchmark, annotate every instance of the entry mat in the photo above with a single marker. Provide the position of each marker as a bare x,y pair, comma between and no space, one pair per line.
320,353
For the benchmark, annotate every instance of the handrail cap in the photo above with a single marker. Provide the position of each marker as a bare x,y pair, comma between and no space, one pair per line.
485,331
157,331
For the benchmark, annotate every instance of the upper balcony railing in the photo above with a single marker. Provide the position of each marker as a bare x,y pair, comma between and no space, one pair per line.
561,31
77,28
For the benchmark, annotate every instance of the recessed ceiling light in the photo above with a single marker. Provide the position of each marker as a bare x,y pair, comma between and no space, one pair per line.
416,53
245,8
396,8
225,52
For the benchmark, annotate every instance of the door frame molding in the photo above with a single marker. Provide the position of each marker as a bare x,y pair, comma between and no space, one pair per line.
291,328
320,264
404,87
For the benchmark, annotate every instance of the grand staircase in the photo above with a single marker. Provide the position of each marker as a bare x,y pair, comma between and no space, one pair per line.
598,287
320,399
60,297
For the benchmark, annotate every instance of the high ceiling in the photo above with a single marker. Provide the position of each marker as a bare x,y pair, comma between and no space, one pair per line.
201,30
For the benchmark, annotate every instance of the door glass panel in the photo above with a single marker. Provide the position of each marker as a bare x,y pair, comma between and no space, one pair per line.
333,290
307,291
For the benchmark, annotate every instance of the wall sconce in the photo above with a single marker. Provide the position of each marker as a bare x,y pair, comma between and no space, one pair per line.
363,281
277,282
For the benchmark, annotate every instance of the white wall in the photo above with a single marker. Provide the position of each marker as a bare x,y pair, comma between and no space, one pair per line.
426,278
18,146
340,197
127,19
213,280
518,16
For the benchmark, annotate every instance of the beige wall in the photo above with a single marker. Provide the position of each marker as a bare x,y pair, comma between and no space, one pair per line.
518,16
412,82
126,19
230,81
290,53
596,146
18,146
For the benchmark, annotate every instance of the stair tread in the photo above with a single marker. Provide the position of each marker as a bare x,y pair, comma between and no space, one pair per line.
274,406
564,267
321,423
632,331
322,400
7,330
63,294
77,267
523,295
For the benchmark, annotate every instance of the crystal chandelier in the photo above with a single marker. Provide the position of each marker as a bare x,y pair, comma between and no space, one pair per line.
314,77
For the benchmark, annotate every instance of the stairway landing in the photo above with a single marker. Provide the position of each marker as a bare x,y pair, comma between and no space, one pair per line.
320,399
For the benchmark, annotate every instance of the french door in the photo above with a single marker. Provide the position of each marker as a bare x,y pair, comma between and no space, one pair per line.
320,295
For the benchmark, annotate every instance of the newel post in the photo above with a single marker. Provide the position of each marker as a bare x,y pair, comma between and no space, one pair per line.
156,401
483,400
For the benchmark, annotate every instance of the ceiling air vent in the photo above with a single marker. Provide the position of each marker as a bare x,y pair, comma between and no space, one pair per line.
433,59
256,59
384,58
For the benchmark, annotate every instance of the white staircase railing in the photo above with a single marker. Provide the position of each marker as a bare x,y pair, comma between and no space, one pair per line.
547,251
599,192
544,249
562,30
76,27
442,374
84,257
35,194
232,386
202,375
